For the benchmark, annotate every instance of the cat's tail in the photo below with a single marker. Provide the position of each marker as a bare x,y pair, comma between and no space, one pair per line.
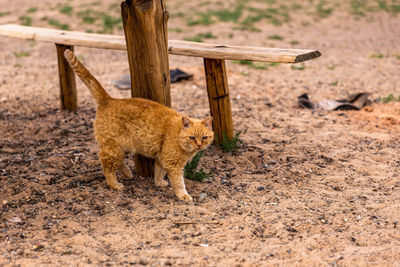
87,78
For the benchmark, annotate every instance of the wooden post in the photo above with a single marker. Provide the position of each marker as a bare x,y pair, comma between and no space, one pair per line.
145,27
68,95
218,96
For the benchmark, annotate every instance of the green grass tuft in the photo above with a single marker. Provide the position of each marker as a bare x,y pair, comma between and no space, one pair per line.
66,9
21,54
379,56
395,8
109,23
25,20
204,19
382,5
191,172
229,15
88,16
272,15
251,64
335,83
358,7
387,99
177,15
275,37
178,30
200,36
32,10
323,12
301,67
231,145
2,14
391,8
59,25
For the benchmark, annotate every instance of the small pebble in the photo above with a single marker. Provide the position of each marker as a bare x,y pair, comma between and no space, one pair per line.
5,202
143,262
269,104
291,229
260,188
202,196
15,220
37,247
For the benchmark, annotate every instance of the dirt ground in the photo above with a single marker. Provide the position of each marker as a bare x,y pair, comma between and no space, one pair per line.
306,188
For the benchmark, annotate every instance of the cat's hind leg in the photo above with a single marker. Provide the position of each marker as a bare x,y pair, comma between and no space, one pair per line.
124,169
159,173
111,159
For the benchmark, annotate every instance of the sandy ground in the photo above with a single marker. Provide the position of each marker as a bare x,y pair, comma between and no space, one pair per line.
306,188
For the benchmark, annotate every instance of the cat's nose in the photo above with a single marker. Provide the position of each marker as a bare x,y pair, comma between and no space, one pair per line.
198,145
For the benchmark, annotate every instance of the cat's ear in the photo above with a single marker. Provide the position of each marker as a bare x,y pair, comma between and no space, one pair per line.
186,122
208,122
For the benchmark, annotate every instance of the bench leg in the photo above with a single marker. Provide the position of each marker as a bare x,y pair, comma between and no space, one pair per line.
68,96
218,96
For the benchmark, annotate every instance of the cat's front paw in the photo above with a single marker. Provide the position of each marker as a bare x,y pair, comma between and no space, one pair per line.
184,196
160,183
116,186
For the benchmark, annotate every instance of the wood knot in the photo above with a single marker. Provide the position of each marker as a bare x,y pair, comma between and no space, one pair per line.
221,96
166,15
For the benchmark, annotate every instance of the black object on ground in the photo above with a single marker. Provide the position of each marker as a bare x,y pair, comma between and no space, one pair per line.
354,102
176,75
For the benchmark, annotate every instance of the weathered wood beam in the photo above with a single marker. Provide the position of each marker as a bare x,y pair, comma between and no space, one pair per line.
183,48
232,52
218,96
145,27
68,95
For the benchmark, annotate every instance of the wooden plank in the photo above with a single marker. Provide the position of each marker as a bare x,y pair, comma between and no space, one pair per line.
175,47
148,58
219,99
105,41
68,95
251,53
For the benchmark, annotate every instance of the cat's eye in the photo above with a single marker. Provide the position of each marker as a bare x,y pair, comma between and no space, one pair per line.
192,138
204,137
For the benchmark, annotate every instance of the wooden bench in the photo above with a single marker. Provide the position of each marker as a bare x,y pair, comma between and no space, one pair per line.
214,56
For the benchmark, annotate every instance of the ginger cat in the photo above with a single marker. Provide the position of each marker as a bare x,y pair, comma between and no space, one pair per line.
140,126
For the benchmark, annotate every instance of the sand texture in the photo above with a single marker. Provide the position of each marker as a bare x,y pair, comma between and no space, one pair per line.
306,188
